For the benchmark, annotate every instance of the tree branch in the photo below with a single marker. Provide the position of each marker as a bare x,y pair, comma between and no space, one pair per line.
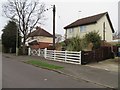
31,13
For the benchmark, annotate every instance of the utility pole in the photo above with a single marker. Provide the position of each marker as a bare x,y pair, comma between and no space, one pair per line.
54,9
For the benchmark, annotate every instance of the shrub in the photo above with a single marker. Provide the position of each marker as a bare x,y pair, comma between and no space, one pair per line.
74,44
118,45
77,44
92,37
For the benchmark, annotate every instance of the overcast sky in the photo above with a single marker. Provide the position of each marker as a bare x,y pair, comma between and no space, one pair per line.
68,11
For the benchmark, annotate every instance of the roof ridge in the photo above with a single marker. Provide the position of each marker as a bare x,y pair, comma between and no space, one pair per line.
86,20
40,32
94,15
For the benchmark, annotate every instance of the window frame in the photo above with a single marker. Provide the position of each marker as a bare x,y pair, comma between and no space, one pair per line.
82,28
71,30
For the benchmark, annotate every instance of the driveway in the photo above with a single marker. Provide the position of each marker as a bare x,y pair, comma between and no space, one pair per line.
108,65
20,75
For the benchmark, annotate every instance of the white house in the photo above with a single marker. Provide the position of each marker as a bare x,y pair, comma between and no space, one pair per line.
40,38
100,23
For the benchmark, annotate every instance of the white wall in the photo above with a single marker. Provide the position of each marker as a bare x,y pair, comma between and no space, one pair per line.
41,39
108,30
74,33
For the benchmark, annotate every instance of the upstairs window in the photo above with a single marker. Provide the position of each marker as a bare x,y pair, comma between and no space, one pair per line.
82,28
71,30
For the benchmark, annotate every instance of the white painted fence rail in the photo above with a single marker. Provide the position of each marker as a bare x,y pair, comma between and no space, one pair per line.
62,56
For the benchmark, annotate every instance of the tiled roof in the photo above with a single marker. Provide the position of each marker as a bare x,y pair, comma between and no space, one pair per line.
40,32
89,20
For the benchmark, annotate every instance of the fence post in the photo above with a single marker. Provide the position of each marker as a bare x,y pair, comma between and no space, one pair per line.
65,55
45,52
39,52
80,58
54,54
29,51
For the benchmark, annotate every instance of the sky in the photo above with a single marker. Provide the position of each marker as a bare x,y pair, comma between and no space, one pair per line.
68,11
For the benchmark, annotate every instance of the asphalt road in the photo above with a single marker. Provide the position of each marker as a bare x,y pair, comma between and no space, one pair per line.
0,70
20,75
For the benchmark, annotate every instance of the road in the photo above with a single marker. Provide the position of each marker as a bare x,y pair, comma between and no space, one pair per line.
20,75
0,70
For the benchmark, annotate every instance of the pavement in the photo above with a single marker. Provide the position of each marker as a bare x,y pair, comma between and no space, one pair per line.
101,73
109,64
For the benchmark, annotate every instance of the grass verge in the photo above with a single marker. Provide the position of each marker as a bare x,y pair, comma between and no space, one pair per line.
42,64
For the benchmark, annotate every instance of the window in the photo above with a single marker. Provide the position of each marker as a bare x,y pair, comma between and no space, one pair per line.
82,28
71,30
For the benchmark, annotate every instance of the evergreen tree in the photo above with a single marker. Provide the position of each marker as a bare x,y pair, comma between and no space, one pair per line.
9,37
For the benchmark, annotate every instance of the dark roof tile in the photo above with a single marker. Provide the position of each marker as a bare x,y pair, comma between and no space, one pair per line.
85,21
40,32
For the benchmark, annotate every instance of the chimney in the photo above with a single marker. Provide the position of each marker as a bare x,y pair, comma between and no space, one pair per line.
37,27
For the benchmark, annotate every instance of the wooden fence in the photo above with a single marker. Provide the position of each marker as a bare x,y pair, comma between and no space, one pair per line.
62,56
116,50
97,55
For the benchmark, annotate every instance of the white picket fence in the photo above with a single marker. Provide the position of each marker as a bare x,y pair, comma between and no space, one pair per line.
62,56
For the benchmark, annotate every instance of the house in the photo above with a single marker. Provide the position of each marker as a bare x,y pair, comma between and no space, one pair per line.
100,23
40,38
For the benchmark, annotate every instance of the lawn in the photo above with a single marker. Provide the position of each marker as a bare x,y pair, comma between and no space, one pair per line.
42,64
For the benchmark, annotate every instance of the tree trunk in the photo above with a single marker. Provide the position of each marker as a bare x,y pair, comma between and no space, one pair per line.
24,47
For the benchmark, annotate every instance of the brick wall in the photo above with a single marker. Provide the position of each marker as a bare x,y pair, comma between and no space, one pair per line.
41,45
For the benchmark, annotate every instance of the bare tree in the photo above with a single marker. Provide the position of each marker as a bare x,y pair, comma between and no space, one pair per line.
26,13
116,35
58,38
